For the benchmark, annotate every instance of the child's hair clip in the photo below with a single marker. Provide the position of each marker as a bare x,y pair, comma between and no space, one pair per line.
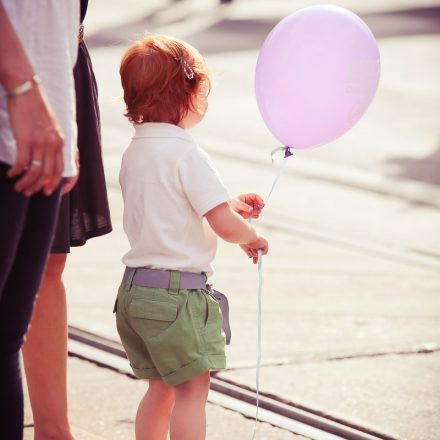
189,72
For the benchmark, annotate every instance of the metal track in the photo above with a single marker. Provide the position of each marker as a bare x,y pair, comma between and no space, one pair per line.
273,409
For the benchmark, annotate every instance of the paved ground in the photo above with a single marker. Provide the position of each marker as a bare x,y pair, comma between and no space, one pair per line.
109,418
351,303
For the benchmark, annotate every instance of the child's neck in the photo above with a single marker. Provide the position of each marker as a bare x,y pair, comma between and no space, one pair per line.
190,120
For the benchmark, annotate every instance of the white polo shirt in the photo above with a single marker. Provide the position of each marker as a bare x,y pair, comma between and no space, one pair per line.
168,184
48,32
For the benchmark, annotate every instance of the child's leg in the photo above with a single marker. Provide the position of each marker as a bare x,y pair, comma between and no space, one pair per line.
153,414
188,421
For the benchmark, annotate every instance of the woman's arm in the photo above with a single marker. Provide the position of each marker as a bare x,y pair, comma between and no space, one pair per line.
38,137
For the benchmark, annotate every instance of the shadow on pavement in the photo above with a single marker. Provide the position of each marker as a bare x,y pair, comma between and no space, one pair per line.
230,34
250,34
425,169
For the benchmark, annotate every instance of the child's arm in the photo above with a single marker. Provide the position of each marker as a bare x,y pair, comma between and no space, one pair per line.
229,226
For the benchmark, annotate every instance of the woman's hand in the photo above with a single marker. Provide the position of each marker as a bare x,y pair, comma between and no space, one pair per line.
39,141
247,205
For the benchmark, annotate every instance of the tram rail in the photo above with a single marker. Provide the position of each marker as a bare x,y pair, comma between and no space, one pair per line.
274,409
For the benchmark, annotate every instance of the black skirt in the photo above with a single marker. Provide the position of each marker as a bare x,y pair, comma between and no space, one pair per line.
84,211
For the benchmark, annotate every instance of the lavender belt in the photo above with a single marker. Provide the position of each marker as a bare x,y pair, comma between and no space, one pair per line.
162,279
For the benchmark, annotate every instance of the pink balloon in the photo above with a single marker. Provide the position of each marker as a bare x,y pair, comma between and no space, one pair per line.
317,72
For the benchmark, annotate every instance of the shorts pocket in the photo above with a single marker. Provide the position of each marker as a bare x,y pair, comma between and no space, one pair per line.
199,306
151,317
213,315
151,309
211,333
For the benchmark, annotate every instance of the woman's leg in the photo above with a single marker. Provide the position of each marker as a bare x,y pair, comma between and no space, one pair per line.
46,347
188,420
153,414
11,227
26,230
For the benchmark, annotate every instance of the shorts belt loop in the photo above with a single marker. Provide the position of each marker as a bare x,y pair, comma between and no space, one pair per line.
131,276
174,281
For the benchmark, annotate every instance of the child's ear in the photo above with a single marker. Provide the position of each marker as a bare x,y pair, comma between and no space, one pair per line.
200,100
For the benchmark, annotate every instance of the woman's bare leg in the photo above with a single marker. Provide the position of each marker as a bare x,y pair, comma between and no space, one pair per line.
45,355
153,415
188,420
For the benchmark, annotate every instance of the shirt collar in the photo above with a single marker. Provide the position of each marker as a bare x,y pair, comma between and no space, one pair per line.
160,130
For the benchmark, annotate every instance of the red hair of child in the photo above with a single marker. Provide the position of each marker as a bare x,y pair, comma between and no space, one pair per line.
161,76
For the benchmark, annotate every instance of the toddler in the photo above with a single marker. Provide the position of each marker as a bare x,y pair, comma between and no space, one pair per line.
175,206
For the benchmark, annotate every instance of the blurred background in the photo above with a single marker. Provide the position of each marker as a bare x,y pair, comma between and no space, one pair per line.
351,296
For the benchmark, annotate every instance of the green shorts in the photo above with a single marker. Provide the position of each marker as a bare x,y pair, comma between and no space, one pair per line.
173,335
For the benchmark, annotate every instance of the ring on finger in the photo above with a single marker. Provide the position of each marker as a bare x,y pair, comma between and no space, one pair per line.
36,163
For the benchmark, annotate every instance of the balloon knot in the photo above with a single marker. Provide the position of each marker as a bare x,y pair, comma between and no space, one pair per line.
287,152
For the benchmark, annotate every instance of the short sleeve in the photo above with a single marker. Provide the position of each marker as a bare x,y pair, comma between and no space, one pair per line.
201,182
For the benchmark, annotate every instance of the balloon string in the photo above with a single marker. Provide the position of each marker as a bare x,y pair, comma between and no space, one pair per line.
257,380
280,172
281,168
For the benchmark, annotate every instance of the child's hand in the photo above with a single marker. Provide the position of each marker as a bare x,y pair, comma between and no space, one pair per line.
247,205
251,249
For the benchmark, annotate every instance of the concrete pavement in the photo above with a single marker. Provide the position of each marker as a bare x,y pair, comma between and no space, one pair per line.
103,406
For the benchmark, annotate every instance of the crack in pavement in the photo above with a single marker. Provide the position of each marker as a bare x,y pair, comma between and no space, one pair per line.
425,348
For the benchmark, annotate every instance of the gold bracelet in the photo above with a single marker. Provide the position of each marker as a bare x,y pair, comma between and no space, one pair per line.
24,88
